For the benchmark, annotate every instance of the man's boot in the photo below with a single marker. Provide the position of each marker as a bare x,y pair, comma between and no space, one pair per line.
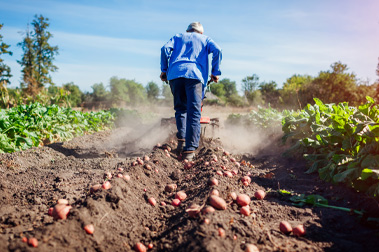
179,148
189,155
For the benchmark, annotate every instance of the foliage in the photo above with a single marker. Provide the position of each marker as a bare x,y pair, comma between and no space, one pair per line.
250,89
250,83
318,201
269,91
127,91
341,142
336,85
167,94
74,94
99,93
44,52
218,89
229,87
31,125
72,91
363,90
38,57
152,90
226,90
5,71
295,91
266,119
29,82
235,100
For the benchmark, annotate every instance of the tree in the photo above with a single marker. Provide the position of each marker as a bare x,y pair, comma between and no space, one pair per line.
127,91
152,91
229,87
5,73
269,91
167,94
75,95
334,86
29,82
362,91
218,89
235,100
99,93
37,61
267,87
295,91
45,53
377,70
250,85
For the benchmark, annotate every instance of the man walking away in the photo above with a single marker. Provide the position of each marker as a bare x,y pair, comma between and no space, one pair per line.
184,63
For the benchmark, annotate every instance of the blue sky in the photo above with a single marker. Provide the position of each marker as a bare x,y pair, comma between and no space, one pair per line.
273,39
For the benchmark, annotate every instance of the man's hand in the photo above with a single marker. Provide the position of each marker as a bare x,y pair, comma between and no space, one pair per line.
214,78
164,77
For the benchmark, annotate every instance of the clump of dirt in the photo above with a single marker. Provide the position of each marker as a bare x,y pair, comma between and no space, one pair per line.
32,181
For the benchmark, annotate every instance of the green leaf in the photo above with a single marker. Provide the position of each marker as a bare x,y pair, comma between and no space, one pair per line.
315,166
345,176
284,192
370,161
27,141
374,128
374,190
312,199
315,199
366,173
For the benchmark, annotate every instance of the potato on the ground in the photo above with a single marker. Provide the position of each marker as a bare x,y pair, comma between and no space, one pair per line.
61,211
181,195
245,210
90,228
251,248
285,227
217,202
299,231
213,182
243,199
33,242
260,194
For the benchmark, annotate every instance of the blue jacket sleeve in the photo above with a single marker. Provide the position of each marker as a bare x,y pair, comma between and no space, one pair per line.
165,54
216,58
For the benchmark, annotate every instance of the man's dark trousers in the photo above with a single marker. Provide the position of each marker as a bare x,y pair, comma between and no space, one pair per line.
187,105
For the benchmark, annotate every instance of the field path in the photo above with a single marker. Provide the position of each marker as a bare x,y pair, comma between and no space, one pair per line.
32,181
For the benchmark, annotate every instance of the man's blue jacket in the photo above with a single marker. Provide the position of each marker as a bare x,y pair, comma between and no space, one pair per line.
186,55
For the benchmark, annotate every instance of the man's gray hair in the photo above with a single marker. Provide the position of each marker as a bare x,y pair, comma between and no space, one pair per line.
195,26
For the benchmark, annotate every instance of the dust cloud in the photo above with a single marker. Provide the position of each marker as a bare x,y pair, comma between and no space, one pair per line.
251,141
135,138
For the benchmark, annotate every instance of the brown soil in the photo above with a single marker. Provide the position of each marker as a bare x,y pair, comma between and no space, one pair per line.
32,181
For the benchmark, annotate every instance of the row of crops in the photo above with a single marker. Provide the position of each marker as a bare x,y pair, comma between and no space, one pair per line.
340,142
25,126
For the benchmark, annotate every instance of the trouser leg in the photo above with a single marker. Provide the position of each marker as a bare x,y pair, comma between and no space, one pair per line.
193,127
180,105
